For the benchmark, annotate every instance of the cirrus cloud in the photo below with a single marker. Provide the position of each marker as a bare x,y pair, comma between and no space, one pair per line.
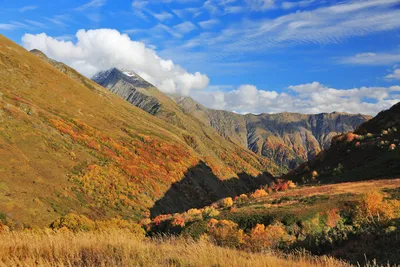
96,50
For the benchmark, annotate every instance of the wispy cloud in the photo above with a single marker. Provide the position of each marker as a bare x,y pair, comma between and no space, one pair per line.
207,24
185,27
297,4
261,5
92,4
163,16
60,20
323,25
36,23
7,26
370,58
27,8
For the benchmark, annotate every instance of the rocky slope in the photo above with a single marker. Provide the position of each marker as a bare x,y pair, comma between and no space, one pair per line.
370,152
288,138
69,145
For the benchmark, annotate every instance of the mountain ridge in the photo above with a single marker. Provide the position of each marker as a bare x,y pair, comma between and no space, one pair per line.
274,135
68,145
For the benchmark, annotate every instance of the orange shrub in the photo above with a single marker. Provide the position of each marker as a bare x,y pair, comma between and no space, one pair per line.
350,137
263,237
178,221
291,184
332,217
259,193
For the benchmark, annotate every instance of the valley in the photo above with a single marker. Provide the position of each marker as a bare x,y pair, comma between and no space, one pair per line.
113,171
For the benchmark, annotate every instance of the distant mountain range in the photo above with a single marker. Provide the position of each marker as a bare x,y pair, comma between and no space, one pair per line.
289,139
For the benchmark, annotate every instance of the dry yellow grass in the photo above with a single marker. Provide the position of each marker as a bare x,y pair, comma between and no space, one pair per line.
342,188
48,248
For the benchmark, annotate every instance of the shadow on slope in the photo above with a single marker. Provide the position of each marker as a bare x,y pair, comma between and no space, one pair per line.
200,187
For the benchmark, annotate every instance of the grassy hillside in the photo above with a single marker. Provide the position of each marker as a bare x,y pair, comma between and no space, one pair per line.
289,139
69,145
204,139
350,221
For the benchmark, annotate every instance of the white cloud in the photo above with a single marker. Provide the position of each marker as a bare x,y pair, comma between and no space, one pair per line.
27,8
36,23
102,49
163,16
304,98
139,4
290,5
394,76
6,26
60,20
92,4
370,58
207,24
261,5
185,27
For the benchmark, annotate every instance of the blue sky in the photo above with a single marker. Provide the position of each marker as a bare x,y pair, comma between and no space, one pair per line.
241,55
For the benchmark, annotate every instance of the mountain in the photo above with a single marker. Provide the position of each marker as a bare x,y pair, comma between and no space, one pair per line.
288,138
129,86
69,145
204,139
370,152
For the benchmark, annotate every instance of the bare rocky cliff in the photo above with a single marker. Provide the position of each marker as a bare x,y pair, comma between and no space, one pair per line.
288,138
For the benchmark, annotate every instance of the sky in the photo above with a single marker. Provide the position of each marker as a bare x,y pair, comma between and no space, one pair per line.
257,56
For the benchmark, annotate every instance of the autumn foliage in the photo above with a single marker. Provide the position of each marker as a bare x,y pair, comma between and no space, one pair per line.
373,209
225,233
258,194
263,237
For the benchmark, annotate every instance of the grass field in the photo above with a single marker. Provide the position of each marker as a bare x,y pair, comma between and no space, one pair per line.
64,248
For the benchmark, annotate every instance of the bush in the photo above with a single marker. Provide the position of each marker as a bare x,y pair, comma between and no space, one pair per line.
73,222
195,230
178,221
258,193
332,217
225,233
243,198
226,202
264,237
210,212
373,209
